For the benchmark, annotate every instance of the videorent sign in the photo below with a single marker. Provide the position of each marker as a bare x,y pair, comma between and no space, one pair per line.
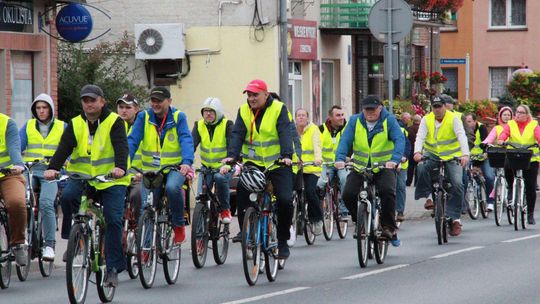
74,22
302,39
14,17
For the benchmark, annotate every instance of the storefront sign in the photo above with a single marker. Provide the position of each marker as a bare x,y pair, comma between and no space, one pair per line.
74,22
14,17
302,39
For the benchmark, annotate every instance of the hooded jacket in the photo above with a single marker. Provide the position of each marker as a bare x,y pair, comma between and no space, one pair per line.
214,104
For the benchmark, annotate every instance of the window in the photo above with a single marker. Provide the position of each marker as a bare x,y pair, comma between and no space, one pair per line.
451,86
294,100
508,13
22,86
327,92
498,79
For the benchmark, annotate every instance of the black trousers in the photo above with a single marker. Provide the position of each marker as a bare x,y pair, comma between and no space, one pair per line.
281,179
315,212
529,176
385,182
411,171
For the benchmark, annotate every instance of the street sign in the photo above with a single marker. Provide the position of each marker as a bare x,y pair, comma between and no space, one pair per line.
401,16
453,61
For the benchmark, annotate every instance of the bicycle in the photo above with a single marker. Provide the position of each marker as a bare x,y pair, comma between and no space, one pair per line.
207,225
331,213
369,230
86,244
259,232
497,157
155,234
476,189
129,235
6,256
301,222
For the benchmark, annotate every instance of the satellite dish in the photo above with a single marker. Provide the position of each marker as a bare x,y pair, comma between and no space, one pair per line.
150,41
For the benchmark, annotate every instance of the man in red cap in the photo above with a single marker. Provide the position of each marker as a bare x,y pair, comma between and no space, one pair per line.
261,135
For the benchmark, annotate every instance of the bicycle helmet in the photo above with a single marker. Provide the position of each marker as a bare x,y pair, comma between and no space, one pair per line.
252,179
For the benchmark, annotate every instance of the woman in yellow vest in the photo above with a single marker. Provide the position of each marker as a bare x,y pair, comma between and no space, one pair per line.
310,138
39,139
523,130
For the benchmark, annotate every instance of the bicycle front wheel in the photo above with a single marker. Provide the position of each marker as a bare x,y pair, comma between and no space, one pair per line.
271,263
328,217
5,264
523,211
199,235
172,254
517,203
308,225
220,244
45,267
362,234
22,271
440,220
77,264
482,198
131,254
146,249
472,199
105,293
251,246
499,201
380,245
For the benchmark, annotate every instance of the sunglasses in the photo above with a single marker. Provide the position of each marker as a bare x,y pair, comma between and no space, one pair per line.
437,106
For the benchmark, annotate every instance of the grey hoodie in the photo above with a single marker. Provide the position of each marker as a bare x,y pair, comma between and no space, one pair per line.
214,104
45,98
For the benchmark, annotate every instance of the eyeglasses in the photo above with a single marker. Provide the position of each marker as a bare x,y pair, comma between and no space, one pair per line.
87,99
437,106
521,112
155,100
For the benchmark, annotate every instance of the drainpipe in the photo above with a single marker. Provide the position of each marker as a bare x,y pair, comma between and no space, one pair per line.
284,60
220,8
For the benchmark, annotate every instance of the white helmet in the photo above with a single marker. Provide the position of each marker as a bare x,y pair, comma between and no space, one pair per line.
253,179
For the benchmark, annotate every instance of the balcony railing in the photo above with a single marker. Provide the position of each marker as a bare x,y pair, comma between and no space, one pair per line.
345,13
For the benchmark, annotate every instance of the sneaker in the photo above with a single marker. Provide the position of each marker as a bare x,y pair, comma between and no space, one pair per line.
429,204
179,234
64,257
317,227
395,241
111,278
456,228
400,217
490,207
283,250
292,240
47,253
226,217
21,254
530,219
237,238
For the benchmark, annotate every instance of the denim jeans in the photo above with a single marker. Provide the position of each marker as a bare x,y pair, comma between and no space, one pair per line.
328,173
454,174
489,176
113,199
175,196
47,196
222,186
401,191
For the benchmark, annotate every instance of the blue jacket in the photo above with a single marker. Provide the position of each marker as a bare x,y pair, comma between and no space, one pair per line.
394,134
184,134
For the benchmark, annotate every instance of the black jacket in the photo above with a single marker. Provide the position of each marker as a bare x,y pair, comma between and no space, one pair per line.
197,137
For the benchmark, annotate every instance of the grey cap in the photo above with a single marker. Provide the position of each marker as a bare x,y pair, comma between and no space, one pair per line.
92,91
447,99
371,101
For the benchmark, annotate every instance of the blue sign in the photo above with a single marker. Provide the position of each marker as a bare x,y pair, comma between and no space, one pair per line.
453,61
74,22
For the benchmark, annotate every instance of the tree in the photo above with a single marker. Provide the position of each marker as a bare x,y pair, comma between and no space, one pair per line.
105,65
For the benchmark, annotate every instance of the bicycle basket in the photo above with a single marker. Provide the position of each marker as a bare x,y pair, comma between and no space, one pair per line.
518,159
496,157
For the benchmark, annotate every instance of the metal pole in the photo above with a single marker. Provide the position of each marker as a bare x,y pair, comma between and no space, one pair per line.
467,76
284,61
389,57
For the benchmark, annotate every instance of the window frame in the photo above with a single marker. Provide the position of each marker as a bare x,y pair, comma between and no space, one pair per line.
508,17
509,71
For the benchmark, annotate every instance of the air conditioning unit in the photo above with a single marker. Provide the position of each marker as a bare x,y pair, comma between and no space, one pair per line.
160,41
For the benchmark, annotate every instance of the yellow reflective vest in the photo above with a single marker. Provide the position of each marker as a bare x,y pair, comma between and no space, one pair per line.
170,153
446,144
380,150
308,149
215,149
39,147
525,139
329,144
405,165
476,150
5,160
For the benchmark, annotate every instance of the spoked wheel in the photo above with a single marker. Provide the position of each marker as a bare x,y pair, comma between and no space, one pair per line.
363,222
440,220
342,226
22,271
45,267
146,249
518,201
199,235
308,225
131,255
294,223
474,204
380,245
281,264
105,293
5,261
171,255
251,246
499,202
77,264
483,199
523,212
510,212
271,263
220,244
328,217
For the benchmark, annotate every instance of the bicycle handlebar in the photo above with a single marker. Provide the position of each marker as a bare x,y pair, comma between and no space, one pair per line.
361,169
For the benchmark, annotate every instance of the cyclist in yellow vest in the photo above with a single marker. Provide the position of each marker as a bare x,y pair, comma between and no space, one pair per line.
39,139
310,138
331,132
127,107
212,133
480,133
12,187
504,116
262,134
441,136
163,134
374,136
401,187
449,104
96,140
524,130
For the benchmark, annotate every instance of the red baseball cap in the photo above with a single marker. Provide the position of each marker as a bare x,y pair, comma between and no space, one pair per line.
255,86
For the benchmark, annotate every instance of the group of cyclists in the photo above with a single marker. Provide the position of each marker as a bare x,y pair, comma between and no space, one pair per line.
102,142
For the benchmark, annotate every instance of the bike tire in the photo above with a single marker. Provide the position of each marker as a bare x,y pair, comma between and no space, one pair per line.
328,217
293,230
77,256
271,264
380,246
472,199
523,212
220,244
22,271
251,247
517,204
362,235
105,293
341,226
5,267
483,199
499,202
199,235
281,264
146,234
131,255
171,255
440,220
308,225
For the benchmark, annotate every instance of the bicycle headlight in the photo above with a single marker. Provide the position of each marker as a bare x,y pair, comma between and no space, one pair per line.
435,185
363,194
253,197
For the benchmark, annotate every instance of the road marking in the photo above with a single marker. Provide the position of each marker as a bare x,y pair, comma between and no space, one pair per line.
522,238
456,252
268,295
365,274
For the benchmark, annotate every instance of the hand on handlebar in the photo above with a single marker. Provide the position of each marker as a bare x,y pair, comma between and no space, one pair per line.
390,165
339,165
50,174
286,161
417,157
17,170
464,160
117,173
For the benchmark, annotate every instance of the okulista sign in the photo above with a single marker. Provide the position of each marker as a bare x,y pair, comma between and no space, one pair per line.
74,22
13,17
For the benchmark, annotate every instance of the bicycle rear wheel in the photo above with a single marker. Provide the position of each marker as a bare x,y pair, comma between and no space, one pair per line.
77,264
146,249
474,205
22,271
440,220
308,225
5,264
251,246
171,254
341,226
363,222
499,201
131,255
199,235
482,198
105,293
328,217
220,244
293,230
271,263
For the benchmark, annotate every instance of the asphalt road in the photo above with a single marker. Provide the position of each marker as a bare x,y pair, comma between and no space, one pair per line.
486,264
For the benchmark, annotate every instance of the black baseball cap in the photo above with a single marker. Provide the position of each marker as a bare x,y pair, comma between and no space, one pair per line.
127,99
160,93
436,100
92,91
371,101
